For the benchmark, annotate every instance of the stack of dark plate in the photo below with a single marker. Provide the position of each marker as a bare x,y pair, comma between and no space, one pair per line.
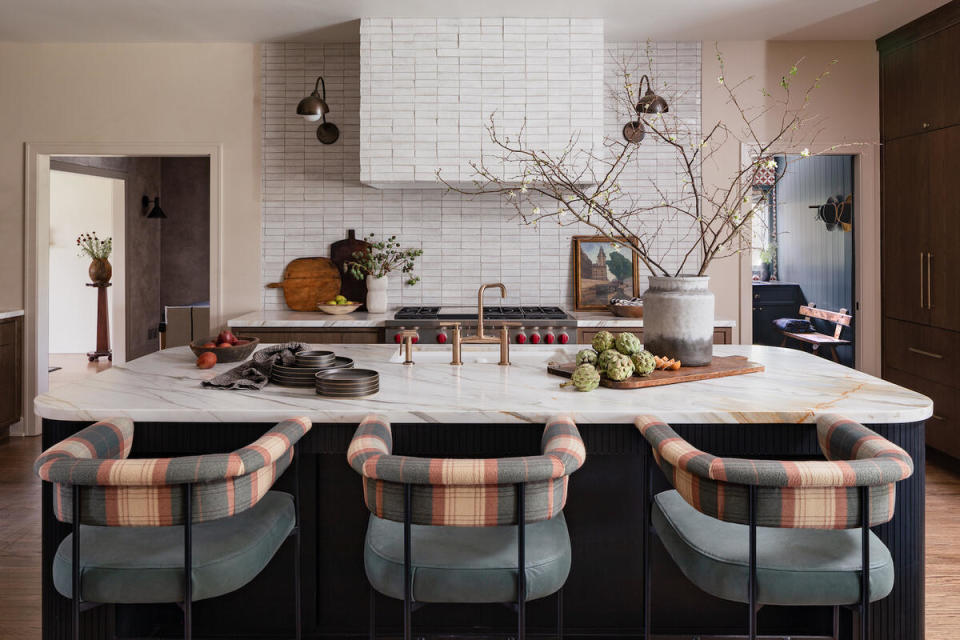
308,363
347,383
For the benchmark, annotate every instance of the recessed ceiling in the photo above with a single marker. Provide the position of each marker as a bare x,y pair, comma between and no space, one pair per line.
336,20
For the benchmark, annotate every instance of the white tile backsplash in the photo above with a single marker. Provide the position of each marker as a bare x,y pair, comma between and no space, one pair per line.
311,193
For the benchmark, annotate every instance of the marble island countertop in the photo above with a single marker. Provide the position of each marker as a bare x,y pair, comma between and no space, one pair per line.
12,313
795,387
318,319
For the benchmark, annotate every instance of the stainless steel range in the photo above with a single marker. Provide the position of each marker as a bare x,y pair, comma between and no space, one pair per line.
527,324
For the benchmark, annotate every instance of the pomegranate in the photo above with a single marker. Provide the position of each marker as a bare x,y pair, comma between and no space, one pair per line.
223,345
206,360
227,336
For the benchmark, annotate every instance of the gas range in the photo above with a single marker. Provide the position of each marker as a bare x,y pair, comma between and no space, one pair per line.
529,324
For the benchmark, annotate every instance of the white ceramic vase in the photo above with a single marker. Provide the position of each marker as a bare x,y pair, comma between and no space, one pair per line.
678,319
377,294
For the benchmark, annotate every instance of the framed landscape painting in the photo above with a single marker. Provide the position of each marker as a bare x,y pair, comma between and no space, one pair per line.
602,270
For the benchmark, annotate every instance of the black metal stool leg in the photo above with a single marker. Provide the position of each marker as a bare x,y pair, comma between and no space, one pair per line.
298,604
373,615
645,522
752,579
407,563
188,561
75,566
560,614
521,564
864,563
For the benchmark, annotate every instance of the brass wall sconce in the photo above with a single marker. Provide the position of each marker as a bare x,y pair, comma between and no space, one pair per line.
314,107
650,102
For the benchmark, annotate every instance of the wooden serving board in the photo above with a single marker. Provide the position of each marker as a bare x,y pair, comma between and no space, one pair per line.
721,367
342,252
308,282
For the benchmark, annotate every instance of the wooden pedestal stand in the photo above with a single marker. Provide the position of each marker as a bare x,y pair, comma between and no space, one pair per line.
103,324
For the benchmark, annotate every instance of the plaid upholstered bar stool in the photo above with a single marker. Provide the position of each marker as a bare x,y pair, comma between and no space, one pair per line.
168,530
778,532
445,530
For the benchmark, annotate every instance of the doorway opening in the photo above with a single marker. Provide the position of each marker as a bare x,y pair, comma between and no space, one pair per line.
805,255
159,262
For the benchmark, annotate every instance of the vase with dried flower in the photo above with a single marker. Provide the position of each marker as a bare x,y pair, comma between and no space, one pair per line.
98,251
376,262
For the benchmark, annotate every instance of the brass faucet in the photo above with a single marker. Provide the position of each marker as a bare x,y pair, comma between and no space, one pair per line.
480,338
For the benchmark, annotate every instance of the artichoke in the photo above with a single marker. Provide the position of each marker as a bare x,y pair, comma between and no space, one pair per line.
603,341
603,361
620,367
587,356
585,378
643,363
628,344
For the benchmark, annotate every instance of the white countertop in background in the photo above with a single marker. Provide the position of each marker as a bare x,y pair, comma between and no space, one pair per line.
796,387
318,319
13,313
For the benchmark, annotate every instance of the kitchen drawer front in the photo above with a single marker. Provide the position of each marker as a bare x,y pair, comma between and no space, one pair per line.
778,294
927,352
8,331
943,429
347,335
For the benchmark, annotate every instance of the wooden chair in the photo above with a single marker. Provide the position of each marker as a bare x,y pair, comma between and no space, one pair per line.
815,339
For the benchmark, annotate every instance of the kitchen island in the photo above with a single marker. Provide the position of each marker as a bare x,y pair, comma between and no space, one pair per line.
480,409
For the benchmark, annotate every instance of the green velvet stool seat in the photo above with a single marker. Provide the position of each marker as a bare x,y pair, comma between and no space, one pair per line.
467,564
228,553
169,530
453,530
794,566
776,532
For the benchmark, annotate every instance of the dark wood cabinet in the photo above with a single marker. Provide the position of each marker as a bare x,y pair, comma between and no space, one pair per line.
920,214
11,373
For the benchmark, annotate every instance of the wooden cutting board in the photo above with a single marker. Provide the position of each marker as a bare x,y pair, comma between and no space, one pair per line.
308,282
721,367
342,252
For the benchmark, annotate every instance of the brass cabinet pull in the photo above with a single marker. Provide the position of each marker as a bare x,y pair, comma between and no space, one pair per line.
929,279
921,352
926,125
921,280
936,417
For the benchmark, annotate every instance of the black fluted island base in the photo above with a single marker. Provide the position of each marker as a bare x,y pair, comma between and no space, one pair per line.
603,596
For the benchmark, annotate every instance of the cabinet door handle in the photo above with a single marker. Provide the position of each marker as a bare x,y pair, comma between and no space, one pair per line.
921,352
929,279
921,280
936,417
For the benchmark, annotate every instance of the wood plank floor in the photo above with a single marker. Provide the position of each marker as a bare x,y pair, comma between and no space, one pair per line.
20,543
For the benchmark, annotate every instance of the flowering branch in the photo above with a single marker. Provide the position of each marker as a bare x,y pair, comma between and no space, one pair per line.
577,185
92,246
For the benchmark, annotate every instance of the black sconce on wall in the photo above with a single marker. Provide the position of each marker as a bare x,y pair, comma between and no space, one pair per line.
156,211
314,107
649,103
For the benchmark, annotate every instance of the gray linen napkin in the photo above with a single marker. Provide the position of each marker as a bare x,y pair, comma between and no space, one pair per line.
255,372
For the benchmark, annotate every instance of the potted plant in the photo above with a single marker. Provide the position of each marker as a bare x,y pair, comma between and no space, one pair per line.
98,250
704,220
767,255
376,263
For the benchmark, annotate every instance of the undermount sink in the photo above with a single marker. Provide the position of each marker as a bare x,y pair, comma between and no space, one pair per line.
481,354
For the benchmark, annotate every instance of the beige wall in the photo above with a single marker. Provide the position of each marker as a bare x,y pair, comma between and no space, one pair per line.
849,99
137,93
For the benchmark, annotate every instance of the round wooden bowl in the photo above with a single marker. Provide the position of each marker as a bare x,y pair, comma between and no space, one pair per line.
226,354
627,310
339,309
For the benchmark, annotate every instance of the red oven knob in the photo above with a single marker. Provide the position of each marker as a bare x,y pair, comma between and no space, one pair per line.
564,338
398,338
549,338
416,339
441,338
521,338
535,338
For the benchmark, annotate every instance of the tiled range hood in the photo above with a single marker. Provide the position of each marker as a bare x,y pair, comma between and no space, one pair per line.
429,86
